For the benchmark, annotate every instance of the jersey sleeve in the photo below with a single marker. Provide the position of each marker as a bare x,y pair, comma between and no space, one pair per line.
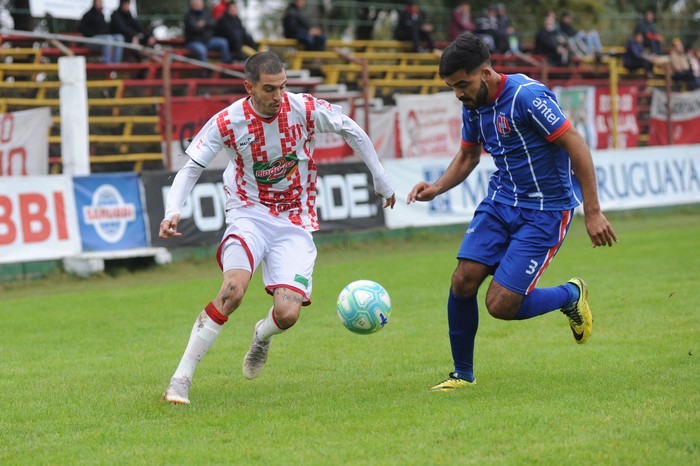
470,132
541,107
209,141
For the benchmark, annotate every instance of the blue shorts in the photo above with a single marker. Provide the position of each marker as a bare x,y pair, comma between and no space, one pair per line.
519,243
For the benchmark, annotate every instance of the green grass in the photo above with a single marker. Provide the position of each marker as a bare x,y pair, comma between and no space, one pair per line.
84,363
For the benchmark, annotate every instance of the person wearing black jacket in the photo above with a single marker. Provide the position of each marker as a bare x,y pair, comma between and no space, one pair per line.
199,33
297,26
231,28
93,24
122,22
412,27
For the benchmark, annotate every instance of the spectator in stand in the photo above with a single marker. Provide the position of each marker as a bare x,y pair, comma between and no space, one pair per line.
681,70
93,24
199,33
230,27
583,44
122,22
413,27
503,30
460,20
550,43
647,26
694,62
220,8
487,27
297,26
636,57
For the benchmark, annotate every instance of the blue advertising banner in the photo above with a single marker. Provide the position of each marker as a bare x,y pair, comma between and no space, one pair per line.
110,212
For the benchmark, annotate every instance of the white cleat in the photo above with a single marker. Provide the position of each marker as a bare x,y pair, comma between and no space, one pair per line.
255,358
178,392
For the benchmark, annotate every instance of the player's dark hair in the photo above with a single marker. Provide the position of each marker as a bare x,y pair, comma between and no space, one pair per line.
262,63
467,52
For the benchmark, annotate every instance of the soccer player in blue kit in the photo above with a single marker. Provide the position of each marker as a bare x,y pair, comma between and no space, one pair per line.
519,226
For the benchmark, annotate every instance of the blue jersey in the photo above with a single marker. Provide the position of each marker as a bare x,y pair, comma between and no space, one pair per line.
519,130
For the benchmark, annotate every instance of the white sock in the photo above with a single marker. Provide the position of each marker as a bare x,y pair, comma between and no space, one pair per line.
268,328
204,333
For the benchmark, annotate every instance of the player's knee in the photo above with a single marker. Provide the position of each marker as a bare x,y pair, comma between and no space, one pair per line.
286,316
500,308
463,287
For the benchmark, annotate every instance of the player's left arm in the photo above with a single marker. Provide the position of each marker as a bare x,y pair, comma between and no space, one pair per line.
597,225
332,120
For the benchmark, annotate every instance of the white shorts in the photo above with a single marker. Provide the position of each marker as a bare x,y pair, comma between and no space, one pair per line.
287,252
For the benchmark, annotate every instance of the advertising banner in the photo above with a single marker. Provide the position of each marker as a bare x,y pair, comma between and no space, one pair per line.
685,118
188,117
37,219
578,104
629,179
627,127
452,207
648,177
72,9
345,200
24,142
110,214
429,125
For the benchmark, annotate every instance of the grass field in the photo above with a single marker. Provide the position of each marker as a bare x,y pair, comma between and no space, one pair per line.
84,363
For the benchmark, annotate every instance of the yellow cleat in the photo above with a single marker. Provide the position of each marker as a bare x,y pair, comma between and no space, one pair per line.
580,317
452,383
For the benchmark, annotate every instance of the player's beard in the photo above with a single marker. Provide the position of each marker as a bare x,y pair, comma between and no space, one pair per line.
480,99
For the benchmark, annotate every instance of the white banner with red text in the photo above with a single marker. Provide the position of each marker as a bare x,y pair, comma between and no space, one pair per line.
685,118
429,126
24,142
38,219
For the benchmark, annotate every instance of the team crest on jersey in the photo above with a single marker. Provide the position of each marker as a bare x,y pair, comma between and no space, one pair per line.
502,124
273,171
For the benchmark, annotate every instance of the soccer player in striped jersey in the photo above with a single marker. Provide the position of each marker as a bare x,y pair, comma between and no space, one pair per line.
270,183
518,228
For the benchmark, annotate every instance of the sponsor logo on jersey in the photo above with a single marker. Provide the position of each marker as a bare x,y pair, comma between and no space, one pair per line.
273,171
545,111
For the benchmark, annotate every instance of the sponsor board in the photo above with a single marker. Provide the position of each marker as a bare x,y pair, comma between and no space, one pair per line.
110,213
37,219
345,200
627,179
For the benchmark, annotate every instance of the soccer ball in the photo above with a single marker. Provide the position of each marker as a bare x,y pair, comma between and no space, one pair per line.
364,307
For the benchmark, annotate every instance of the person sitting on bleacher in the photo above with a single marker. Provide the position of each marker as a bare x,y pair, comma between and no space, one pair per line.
636,57
230,27
681,71
652,40
487,27
460,20
412,27
199,33
584,44
93,24
297,26
550,43
122,22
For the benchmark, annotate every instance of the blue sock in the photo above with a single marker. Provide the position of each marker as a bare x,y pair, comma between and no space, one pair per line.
543,300
463,321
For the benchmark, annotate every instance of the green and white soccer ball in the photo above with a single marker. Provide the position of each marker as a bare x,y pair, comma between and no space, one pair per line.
364,307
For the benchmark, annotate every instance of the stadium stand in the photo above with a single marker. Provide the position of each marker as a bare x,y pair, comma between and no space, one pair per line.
124,99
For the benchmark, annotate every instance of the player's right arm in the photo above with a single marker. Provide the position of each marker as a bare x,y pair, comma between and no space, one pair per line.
461,166
182,186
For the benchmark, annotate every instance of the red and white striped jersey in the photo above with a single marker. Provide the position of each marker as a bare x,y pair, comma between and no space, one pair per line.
271,159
